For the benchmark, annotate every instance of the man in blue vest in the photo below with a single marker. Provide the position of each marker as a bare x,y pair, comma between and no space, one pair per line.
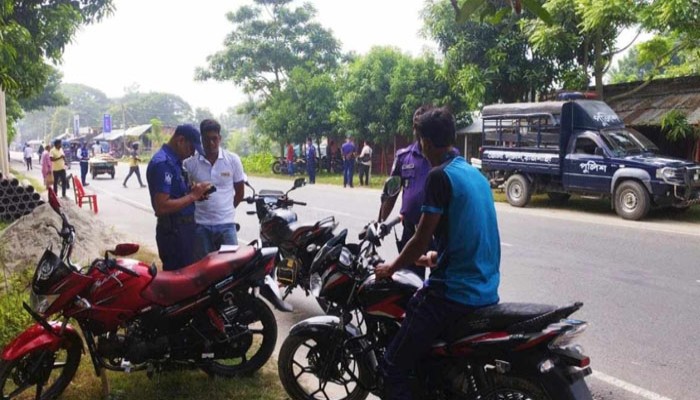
458,211
84,156
173,200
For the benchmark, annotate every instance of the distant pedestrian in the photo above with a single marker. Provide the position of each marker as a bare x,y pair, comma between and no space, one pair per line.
46,168
365,165
311,160
58,165
41,150
134,164
348,152
290,158
96,148
84,157
28,153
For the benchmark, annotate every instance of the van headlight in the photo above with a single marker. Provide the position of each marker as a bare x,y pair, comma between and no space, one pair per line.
40,303
666,174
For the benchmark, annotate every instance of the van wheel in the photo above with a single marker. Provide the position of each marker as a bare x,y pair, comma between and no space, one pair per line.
518,190
632,200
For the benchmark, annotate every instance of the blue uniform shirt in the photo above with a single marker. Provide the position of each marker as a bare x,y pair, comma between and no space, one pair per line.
164,175
311,154
413,169
469,247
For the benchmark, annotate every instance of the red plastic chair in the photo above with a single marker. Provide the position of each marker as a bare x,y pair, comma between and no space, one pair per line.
82,198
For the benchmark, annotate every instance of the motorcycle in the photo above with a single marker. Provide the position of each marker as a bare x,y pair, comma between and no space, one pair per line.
504,351
280,165
298,243
132,317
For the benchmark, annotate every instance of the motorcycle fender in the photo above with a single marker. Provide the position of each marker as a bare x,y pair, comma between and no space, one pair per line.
36,338
560,386
271,293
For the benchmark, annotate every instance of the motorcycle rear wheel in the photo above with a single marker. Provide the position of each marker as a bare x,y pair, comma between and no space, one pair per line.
306,356
263,326
506,387
21,378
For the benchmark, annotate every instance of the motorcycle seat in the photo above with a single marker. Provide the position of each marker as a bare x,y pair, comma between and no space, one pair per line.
171,287
498,317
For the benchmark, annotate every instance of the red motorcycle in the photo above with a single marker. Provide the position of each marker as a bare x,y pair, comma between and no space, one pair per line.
207,315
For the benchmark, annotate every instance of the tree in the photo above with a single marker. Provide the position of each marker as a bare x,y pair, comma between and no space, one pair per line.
34,34
268,41
200,114
88,102
140,108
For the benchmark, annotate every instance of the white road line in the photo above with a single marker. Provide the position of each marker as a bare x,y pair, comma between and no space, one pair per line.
649,395
504,244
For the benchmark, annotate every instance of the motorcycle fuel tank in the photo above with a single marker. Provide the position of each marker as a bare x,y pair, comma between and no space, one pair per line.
389,298
275,227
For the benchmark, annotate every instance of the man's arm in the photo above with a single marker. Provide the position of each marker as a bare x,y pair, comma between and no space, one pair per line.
386,208
239,188
415,248
164,205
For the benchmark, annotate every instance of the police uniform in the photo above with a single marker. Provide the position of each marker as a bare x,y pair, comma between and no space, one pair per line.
413,169
174,232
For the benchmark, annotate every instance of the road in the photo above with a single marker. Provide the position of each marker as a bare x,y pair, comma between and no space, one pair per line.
639,281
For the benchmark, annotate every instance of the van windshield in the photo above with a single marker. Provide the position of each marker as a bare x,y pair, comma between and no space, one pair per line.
627,141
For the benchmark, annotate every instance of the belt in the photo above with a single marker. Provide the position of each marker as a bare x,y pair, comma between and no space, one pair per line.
171,220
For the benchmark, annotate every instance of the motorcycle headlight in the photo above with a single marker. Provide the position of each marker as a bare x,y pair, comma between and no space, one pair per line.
40,303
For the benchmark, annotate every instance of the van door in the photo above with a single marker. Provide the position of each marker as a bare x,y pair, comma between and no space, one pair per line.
586,166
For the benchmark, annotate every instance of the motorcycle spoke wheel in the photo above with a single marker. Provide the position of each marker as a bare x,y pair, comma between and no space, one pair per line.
263,333
42,374
514,388
312,369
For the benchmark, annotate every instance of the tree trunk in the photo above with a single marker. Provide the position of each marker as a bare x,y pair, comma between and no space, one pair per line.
598,66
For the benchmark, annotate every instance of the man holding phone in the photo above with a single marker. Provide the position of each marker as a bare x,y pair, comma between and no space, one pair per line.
214,215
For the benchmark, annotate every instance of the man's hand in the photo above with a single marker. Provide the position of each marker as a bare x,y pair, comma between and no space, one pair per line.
383,271
198,189
428,260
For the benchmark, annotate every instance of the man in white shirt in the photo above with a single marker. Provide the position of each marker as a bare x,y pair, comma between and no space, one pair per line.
365,159
215,215
96,148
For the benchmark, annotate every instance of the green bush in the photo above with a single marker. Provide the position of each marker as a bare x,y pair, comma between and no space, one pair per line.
258,163
13,318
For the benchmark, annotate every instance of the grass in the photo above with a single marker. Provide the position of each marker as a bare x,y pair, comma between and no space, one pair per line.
375,181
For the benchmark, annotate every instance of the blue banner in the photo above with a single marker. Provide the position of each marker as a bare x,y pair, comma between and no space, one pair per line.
107,123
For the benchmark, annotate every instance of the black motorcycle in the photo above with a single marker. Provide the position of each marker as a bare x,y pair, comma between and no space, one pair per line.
505,351
298,242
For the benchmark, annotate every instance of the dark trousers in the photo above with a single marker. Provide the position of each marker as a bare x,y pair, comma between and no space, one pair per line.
29,163
311,170
364,173
408,231
60,175
83,171
427,318
348,172
133,170
175,245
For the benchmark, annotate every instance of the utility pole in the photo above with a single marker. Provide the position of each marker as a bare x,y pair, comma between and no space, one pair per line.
4,150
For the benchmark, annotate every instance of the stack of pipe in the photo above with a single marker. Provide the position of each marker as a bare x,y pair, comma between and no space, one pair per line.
16,198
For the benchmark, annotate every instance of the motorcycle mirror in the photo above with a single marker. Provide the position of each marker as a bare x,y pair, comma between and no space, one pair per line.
299,182
53,201
125,249
392,186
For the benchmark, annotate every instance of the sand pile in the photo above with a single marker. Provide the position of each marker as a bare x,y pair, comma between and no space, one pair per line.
23,242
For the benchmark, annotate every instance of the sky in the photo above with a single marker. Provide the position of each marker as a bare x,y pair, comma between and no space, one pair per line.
157,44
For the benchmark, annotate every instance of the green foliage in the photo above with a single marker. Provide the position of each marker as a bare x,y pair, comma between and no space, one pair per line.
675,126
258,163
270,39
660,57
13,317
156,135
139,108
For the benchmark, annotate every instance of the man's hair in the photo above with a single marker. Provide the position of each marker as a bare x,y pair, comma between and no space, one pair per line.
420,111
57,141
209,125
436,125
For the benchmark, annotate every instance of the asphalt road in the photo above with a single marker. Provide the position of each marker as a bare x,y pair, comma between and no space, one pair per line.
639,281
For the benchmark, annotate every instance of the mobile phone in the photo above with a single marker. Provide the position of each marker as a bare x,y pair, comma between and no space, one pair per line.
211,190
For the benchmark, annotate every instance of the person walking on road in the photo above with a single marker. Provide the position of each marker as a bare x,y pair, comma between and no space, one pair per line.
96,148
46,168
348,152
134,161
58,166
290,158
84,157
215,215
28,153
365,163
311,160
173,200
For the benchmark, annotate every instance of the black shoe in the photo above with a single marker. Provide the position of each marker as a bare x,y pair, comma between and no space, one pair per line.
124,184
143,186
86,184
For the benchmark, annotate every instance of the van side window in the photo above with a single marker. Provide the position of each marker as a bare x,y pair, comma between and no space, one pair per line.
585,146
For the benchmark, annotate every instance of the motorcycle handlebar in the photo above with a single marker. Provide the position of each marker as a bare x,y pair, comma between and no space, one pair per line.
385,227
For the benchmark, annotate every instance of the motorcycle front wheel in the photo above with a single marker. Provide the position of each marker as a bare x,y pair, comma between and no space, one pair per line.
316,367
251,342
41,374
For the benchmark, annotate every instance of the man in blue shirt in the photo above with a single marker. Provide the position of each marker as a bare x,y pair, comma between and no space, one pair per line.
458,211
348,153
173,200
311,160
84,156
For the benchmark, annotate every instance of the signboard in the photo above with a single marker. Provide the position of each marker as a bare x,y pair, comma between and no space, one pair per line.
107,123
76,125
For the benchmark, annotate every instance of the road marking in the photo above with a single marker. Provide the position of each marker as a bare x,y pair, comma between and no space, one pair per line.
504,244
649,395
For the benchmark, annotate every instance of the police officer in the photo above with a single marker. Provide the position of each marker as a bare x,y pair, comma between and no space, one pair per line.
413,168
173,200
